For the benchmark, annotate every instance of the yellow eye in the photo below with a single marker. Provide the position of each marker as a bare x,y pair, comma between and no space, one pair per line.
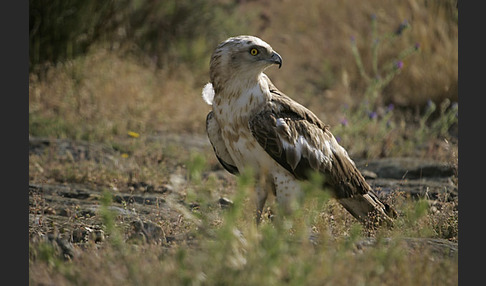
254,52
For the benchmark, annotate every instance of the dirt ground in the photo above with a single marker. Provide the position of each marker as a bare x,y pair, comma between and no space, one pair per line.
71,214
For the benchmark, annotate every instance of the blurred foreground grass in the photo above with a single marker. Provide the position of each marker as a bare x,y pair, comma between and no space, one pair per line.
321,244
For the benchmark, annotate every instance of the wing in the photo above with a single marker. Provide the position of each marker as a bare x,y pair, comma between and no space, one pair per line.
214,135
294,137
298,142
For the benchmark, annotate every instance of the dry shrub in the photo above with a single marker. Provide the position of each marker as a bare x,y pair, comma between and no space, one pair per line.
101,95
313,38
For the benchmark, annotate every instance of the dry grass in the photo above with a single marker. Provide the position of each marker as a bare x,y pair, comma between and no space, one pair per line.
215,246
224,247
112,96
314,39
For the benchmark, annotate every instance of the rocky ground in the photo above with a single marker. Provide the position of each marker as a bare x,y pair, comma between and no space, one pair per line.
68,214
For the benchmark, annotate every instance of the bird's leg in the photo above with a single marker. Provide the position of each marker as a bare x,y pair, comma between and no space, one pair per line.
288,192
261,198
264,186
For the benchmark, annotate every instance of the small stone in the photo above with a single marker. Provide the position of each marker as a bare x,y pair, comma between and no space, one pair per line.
225,202
368,174
98,235
79,235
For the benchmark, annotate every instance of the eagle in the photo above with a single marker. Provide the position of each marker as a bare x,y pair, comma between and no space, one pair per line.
253,125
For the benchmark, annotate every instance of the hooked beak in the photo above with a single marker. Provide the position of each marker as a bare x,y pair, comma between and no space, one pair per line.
276,59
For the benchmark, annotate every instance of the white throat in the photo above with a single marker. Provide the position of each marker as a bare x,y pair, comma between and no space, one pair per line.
244,96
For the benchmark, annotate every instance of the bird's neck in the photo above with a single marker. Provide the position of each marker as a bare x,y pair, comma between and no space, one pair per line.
251,90
240,98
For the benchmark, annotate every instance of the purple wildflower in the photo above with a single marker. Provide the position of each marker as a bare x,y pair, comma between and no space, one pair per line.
344,122
390,107
372,114
417,46
398,65
402,27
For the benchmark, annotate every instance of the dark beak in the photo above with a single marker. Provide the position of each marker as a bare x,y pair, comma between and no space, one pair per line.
276,59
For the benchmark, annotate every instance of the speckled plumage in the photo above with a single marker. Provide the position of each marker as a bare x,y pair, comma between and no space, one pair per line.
254,125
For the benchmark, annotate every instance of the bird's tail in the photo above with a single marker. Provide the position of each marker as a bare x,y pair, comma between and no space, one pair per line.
356,195
368,209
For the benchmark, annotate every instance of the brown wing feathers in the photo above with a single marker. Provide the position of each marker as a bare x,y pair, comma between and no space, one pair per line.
214,134
294,137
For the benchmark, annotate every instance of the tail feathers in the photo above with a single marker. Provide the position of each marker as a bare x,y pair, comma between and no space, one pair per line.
368,209
355,194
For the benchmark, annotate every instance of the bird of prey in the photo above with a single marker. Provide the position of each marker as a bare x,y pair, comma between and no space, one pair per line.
254,125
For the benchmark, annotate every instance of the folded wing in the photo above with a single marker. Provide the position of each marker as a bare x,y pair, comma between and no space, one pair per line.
214,134
294,137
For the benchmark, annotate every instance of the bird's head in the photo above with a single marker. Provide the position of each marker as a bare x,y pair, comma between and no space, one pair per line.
242,57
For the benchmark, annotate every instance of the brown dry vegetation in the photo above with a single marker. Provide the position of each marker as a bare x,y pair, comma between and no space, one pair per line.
314,41
319,69
112,96
131,100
